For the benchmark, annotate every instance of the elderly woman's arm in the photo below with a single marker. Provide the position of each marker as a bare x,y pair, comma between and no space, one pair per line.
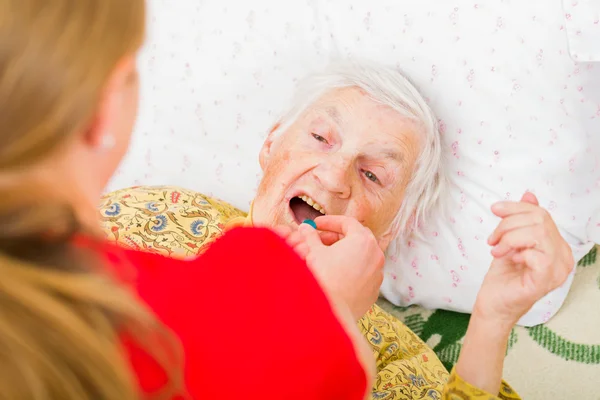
482,356
531,259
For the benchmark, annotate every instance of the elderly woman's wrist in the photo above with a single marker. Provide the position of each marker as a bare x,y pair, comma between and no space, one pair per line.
490,320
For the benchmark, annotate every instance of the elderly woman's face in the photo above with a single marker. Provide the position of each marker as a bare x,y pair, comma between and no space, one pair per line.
346,155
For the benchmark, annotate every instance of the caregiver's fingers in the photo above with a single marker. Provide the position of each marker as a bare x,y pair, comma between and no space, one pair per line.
512,222
529,237
295,238
302,249
283,231
329,238
505,208
311,236
338,224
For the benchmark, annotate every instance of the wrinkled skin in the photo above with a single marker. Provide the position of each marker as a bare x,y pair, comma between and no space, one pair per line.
350,154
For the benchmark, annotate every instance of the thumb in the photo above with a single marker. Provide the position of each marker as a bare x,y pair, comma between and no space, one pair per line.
311,236
530,198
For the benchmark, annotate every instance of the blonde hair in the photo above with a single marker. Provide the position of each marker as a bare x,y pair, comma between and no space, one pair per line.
62,316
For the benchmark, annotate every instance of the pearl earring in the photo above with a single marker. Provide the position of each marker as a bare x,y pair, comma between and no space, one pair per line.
107,142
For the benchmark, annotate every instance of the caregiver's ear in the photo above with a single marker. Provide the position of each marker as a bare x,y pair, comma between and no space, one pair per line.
108,114
265,151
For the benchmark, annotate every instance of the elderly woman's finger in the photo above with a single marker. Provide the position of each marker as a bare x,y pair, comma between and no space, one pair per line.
529,237
530,198
505,208
529,257
511,223
545,273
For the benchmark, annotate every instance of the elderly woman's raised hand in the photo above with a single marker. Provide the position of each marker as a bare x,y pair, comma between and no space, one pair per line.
530,259
351,269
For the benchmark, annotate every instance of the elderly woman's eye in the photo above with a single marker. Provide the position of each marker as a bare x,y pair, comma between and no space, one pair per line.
371,176
319,138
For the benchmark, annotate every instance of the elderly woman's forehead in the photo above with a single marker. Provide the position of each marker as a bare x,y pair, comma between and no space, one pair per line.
340,97
374,116
341,103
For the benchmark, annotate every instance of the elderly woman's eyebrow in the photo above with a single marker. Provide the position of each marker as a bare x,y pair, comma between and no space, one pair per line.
393,155
334,114
388,154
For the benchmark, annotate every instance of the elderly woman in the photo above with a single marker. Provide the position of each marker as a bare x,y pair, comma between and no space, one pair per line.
360,141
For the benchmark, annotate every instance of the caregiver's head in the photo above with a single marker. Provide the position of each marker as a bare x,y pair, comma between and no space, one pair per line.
359,141
68,96
68,90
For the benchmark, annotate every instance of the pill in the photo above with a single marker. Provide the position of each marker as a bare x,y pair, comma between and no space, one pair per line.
310,222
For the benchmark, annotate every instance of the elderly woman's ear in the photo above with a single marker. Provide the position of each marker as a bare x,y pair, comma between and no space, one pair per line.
265,151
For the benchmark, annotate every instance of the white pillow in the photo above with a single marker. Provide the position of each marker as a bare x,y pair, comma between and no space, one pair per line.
518,112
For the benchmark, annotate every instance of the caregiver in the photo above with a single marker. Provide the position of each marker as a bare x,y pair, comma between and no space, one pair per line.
80,319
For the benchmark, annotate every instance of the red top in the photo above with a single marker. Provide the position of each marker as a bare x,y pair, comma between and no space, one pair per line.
251,319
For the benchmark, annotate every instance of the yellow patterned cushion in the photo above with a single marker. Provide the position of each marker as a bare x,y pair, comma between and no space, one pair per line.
163,219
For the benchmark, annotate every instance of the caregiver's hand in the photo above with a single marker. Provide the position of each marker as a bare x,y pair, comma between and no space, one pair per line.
530,260
351,269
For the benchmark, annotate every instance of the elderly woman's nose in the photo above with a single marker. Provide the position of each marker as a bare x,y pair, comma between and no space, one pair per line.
335,176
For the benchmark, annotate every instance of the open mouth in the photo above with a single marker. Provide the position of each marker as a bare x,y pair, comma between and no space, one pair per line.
303,208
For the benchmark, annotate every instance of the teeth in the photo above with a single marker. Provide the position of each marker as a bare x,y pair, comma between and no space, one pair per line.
313,204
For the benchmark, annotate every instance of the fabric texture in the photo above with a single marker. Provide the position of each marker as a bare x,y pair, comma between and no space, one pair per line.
166,220
225,354
512,83
582,23
406,367
409,369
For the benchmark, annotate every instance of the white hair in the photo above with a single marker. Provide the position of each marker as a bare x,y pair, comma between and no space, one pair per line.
389,87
